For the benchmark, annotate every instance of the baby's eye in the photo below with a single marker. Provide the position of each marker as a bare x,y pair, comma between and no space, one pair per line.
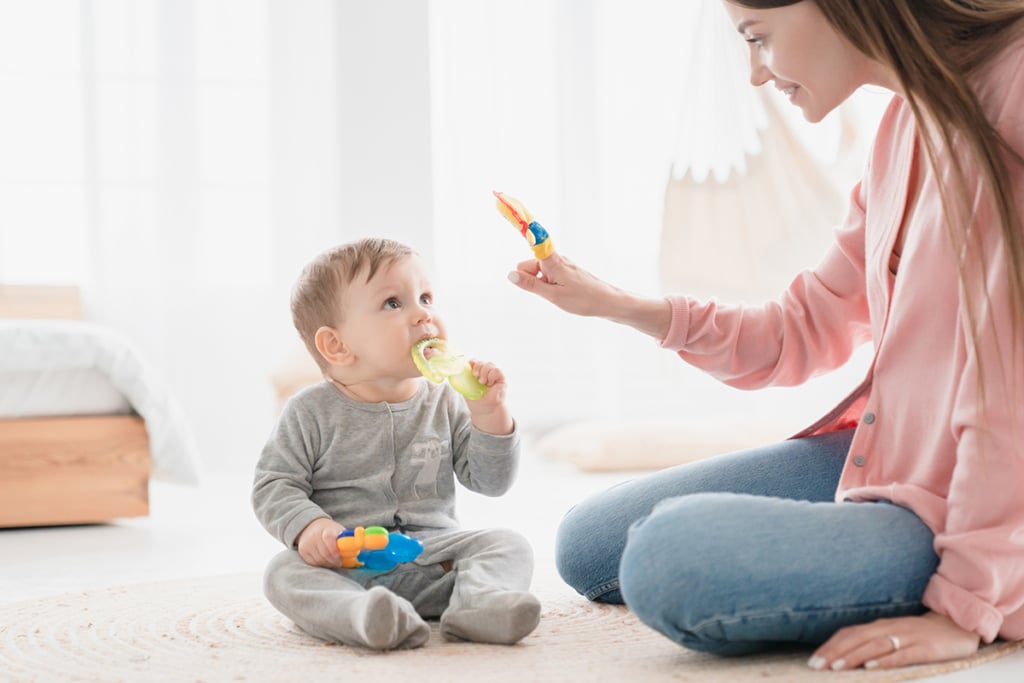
392,304
426,299
755,41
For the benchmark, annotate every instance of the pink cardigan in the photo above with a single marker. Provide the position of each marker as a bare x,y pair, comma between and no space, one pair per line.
919,441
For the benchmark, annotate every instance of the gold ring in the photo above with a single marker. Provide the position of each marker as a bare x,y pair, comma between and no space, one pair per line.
895,642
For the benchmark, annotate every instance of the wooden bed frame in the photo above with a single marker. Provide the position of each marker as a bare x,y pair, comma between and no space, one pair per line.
68,470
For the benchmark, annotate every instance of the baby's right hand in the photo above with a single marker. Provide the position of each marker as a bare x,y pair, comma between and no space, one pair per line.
318,543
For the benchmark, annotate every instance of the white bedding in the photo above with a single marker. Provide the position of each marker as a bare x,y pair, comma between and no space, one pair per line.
59,392
63,367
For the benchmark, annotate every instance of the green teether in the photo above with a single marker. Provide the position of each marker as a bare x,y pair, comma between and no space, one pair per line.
443,364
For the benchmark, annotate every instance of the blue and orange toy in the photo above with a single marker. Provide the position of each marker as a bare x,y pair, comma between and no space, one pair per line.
373,547
516,214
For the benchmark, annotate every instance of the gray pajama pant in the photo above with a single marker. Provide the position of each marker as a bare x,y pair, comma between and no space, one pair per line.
483,561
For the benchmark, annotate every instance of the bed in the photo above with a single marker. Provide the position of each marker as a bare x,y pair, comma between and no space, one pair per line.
85,421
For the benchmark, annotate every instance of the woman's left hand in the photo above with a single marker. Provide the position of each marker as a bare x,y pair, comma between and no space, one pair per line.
889,643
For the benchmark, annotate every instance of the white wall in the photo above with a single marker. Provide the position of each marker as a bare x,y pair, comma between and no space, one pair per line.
211,148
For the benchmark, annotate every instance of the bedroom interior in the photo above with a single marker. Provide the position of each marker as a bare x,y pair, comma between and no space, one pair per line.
85,420
39,469
168,168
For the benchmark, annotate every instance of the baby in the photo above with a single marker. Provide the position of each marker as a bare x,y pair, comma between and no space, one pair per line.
377,444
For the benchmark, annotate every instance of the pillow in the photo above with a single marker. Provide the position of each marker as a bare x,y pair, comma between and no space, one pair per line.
648,445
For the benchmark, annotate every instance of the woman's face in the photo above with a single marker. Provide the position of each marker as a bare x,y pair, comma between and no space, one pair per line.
797,49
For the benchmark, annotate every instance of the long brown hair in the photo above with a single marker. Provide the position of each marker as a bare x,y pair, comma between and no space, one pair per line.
934,47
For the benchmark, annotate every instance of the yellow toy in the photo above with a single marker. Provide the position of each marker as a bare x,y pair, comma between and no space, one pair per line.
516,214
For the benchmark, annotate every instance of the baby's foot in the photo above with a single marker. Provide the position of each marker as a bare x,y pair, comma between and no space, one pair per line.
384,621
503,617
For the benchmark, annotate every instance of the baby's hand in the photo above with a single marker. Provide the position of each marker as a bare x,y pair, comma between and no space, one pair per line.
491,376
318,543
489,413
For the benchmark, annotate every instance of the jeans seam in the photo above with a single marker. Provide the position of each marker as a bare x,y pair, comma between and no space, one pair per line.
601,589
723,621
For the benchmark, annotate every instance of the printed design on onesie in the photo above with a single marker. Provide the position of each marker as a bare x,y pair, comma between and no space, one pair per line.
426,458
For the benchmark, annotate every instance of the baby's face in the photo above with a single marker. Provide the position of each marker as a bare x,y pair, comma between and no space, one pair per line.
385,316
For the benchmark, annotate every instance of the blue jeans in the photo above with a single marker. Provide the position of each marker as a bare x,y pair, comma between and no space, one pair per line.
747,552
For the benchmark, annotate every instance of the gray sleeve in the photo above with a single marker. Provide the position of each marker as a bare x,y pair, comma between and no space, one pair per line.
484,463
282,485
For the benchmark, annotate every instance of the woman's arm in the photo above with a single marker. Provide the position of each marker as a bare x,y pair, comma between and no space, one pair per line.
814,326
577,291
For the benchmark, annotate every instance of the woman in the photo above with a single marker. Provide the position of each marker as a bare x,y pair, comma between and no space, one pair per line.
891,532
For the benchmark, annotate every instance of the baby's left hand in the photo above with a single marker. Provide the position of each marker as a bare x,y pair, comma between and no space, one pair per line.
491,376
489,413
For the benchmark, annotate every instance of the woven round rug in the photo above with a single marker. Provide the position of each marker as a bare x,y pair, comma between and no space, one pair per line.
222,629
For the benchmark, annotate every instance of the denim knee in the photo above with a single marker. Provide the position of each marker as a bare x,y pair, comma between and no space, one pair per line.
734,573
676,590
584,557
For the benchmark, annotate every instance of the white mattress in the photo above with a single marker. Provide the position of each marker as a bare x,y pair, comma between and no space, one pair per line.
52,368
60,392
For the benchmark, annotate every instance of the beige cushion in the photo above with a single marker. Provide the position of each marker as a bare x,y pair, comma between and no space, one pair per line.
649,445
296,371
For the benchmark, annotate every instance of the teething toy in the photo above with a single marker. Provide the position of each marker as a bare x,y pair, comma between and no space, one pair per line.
444,364
516,214
374,548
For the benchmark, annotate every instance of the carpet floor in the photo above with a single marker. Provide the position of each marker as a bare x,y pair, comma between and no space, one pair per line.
220,628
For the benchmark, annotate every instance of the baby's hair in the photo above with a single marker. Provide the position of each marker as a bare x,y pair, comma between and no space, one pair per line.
316,296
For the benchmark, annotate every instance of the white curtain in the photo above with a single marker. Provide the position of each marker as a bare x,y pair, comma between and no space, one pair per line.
755,191
180,160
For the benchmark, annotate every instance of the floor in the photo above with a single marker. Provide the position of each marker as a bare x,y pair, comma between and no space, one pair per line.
210,530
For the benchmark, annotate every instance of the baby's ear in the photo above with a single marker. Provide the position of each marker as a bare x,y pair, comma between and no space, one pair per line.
332,348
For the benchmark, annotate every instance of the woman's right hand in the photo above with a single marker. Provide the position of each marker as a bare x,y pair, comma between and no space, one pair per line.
564,284
577,291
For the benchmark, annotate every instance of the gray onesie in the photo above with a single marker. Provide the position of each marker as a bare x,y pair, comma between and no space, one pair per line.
393,465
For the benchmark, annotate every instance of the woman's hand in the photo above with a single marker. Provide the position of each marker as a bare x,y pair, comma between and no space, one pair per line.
564,284
577,291
318,543
889,643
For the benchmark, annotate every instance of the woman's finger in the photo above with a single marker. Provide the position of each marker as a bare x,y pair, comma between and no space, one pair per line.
875,647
